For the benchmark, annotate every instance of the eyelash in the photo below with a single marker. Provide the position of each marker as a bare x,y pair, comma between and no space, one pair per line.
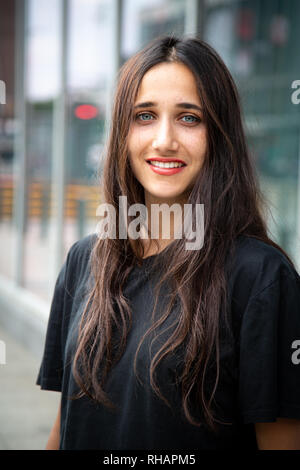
197,120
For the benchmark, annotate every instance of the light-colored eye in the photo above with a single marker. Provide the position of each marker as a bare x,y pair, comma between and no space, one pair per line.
190,119
144,116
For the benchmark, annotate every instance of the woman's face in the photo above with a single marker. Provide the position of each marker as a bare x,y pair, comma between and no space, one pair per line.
168,128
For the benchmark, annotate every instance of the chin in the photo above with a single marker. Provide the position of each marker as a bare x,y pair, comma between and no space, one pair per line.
166,196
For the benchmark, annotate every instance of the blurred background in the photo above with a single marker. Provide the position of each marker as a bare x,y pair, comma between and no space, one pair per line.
58,64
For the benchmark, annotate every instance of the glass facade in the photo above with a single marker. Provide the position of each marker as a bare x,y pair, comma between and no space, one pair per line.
89,75
258,41
59,72
142,21
41,89
7,130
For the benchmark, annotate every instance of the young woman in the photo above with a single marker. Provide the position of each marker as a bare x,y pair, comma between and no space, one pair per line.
156,346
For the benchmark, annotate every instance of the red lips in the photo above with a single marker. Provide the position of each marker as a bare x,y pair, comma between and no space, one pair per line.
165,160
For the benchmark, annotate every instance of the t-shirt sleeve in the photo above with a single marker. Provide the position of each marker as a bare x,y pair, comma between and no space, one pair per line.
50,373
269,353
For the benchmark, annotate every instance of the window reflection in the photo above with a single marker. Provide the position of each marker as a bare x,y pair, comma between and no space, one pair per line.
43,48
90,73
143,21
42,88
258,41
7,132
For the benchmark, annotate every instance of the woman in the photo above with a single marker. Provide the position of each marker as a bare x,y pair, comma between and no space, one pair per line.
156,346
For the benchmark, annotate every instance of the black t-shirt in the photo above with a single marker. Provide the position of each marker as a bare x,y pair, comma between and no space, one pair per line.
259,371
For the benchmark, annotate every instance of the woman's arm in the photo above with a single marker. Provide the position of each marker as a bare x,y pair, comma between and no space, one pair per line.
284,434
54,437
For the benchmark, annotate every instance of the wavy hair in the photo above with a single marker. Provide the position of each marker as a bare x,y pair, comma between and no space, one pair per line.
228,187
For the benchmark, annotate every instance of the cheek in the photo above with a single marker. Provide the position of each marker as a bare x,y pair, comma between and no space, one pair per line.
196,145
139,139
129,142
133,157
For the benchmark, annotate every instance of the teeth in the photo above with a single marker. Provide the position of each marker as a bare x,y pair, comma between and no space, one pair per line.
166,165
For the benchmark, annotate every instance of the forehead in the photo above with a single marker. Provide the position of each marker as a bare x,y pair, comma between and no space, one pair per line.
174,81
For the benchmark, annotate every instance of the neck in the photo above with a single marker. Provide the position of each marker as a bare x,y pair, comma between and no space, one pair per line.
162,223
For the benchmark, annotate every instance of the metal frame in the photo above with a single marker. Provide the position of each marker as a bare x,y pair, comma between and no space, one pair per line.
20,142
297,257
58,147
117,6
194,15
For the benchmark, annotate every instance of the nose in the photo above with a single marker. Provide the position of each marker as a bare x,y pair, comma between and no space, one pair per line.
165,139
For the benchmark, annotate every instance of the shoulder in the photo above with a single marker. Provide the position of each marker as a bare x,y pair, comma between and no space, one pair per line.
78,258
255,266
255,255
82,248
265,307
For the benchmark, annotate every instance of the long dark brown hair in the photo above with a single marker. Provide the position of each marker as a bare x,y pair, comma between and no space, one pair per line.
228,187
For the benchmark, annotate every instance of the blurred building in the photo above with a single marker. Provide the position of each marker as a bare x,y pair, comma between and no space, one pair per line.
58,63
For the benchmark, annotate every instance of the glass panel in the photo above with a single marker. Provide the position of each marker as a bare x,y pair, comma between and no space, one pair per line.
90,67
7,131
277,160
90,36
144,20
43,74
43,49
259,41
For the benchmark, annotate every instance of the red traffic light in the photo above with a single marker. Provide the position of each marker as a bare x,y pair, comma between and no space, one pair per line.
86,111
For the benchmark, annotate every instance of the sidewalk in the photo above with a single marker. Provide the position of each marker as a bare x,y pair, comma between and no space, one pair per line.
26,412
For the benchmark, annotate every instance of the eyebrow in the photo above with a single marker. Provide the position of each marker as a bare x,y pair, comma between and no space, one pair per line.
150,104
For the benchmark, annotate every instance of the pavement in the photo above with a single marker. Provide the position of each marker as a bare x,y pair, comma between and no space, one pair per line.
27,413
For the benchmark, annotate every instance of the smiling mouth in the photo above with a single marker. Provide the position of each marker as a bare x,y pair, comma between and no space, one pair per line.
165,164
